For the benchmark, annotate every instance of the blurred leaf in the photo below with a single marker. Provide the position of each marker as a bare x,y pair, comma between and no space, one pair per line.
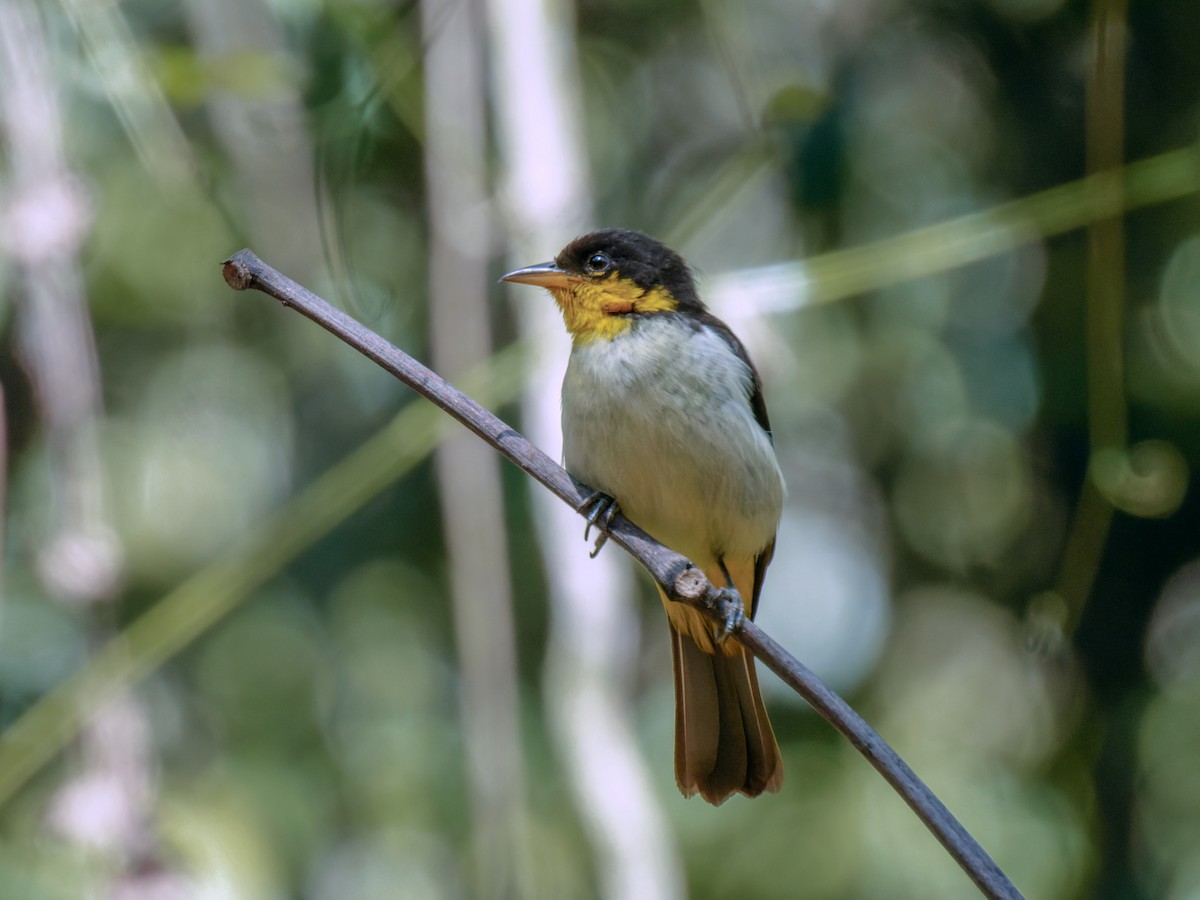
188,79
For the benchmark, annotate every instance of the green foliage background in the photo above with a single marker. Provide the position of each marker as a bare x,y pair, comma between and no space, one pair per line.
993,531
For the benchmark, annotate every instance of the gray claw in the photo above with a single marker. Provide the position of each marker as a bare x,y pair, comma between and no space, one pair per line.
603,509
729,605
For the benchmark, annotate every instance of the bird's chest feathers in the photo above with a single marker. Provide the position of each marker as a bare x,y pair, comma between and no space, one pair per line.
616,389
659,418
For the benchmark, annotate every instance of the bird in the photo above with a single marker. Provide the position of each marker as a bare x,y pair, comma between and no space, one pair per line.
663,416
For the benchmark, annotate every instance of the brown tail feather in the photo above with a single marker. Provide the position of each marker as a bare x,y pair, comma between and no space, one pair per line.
723,738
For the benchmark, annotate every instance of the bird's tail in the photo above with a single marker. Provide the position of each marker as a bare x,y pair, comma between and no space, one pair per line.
723,738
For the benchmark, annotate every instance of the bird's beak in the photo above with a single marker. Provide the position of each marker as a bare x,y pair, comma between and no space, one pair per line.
547,275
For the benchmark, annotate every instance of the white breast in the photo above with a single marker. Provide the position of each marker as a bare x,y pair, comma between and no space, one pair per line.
660,418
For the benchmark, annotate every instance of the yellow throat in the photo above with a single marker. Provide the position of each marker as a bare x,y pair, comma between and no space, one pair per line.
595,310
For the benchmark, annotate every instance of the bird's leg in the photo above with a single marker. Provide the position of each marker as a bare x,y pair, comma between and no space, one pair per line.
729,605
603,509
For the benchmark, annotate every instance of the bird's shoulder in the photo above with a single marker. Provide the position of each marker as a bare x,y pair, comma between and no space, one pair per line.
703,321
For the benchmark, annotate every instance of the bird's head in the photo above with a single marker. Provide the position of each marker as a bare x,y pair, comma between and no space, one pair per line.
605,279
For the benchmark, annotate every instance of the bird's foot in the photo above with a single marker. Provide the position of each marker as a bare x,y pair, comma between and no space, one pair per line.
600,509
728,605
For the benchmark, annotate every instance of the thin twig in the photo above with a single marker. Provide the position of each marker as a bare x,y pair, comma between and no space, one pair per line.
677,576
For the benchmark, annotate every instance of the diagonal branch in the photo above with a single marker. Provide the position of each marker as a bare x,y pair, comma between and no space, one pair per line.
674,573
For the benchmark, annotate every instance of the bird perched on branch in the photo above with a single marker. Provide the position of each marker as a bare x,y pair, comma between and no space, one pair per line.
662,411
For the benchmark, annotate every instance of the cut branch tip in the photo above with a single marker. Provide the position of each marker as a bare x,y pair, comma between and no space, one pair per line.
237,271
691,585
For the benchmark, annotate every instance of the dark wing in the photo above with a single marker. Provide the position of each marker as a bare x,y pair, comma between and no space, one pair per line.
757,404
760,573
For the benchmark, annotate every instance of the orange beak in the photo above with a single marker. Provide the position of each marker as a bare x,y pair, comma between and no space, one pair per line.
547,275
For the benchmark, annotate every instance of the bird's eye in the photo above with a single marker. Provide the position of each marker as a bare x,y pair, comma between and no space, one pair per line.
598,264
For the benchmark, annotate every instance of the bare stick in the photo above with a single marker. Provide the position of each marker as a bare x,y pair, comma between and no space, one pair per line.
675,574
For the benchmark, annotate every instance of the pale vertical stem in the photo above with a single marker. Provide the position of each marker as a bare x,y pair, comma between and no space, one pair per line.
594,635
104,804
468,473
44,225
